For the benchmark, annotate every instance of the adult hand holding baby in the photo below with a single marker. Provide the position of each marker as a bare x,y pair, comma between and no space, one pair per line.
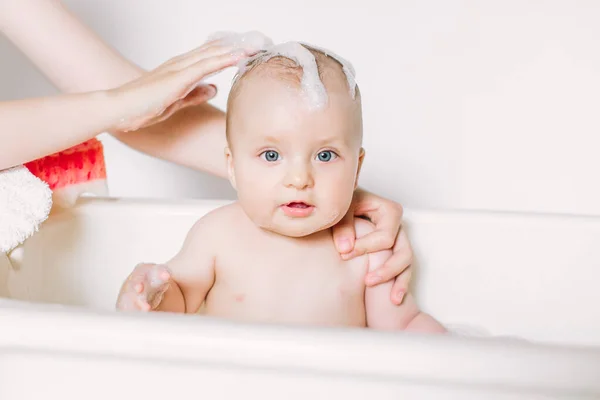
386,215
78,61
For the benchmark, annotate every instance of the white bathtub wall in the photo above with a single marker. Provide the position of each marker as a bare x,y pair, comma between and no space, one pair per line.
519,275
468,104
511,274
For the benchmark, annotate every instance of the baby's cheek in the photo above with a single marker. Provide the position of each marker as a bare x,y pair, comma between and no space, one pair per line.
338,194
257,204
333,208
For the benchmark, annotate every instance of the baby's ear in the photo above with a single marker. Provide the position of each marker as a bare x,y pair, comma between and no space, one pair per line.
230,169
361,157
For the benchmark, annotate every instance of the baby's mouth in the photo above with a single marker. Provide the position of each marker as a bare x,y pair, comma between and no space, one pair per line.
298,204
297,209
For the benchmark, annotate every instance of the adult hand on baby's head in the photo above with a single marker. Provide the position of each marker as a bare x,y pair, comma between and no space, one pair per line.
386,215
158,94
144,288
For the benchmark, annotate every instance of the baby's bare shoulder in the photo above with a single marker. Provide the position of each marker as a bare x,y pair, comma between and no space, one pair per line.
208,237
218,224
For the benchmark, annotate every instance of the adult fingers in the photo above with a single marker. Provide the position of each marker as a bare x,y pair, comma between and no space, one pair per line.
402,258
372,243
196,96
210,45
400,287
198,55
344,233
190,77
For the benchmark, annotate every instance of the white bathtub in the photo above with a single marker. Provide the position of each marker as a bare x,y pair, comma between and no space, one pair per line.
531,276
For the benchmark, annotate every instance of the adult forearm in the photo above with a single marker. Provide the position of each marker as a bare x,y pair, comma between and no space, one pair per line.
75,59
193,137
66,51
58,123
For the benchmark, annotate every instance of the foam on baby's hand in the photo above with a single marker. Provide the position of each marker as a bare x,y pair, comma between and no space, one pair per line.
155,283
158,275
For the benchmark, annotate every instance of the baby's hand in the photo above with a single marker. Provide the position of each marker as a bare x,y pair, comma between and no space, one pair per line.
144,288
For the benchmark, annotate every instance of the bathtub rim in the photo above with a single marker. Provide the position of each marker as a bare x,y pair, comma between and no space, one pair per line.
172,338
568,366
86,204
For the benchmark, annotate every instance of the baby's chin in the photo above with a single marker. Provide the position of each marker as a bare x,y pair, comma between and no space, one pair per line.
294,231
300,227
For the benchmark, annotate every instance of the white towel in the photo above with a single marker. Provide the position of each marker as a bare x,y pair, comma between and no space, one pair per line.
25,203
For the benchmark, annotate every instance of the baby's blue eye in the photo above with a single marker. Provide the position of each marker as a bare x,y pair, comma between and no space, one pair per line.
270,155
326,156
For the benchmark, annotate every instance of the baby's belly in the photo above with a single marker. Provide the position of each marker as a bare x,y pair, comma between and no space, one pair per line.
323,303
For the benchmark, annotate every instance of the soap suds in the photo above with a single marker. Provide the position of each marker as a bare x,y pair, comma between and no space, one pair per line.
252,40
347,67
311,86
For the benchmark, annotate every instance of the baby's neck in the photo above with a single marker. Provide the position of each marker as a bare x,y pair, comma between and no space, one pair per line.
306,239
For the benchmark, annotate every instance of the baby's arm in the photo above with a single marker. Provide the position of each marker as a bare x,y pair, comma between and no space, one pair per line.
181,285
381,312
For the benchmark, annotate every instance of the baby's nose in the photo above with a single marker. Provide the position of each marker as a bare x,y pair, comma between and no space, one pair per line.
299,177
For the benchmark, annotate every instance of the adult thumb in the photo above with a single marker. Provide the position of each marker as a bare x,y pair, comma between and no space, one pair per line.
344,234
200,94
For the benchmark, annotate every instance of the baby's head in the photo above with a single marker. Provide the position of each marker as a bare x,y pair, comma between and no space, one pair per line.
294,151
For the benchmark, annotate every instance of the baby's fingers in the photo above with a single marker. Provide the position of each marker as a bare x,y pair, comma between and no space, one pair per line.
158,280
144,288
141,295
158,276
131,301
132,287
142,304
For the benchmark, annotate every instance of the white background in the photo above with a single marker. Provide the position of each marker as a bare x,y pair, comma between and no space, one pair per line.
467,104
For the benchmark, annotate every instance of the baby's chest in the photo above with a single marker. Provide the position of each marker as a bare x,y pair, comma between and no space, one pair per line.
269,273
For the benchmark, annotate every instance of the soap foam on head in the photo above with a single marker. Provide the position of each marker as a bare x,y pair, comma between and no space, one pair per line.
311,85
252,40
346,67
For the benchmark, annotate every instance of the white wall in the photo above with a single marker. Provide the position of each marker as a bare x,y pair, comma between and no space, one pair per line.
468,104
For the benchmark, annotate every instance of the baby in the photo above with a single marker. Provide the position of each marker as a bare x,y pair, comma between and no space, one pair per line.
294,133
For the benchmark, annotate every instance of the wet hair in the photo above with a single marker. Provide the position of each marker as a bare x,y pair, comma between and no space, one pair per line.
284,69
